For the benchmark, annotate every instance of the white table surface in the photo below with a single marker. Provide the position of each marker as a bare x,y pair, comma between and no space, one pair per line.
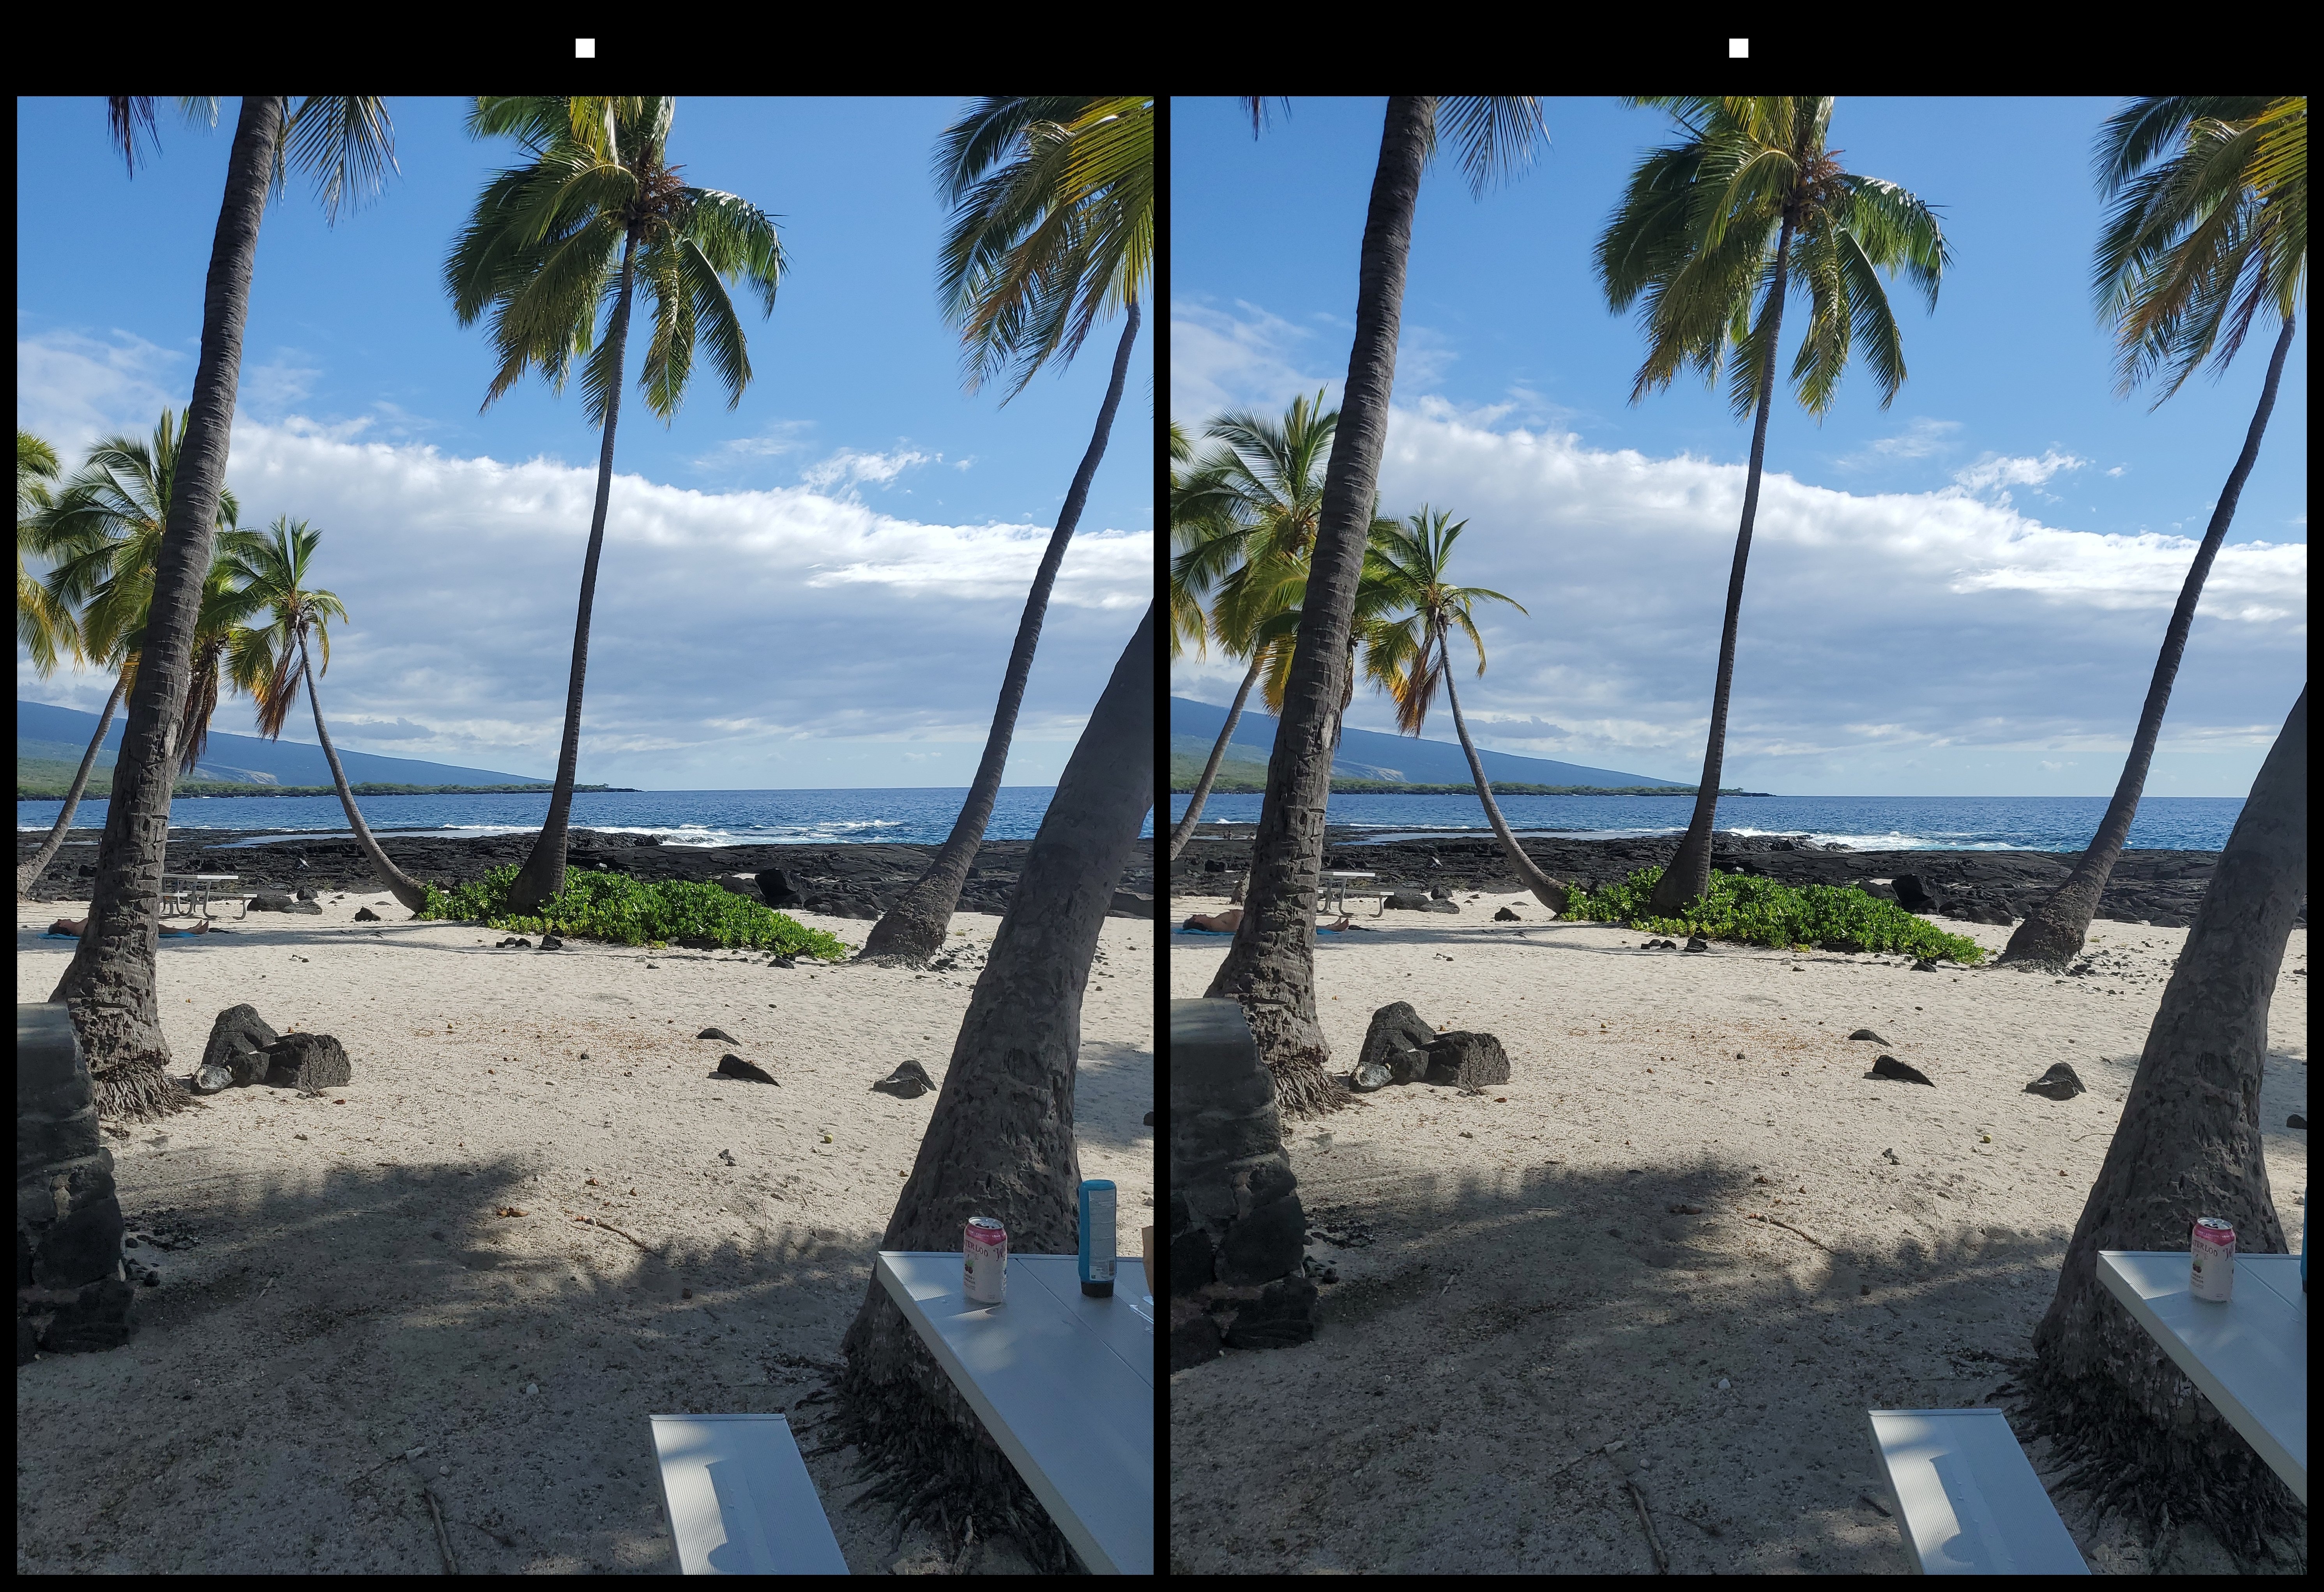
2249,1355
738,1497
1063,1383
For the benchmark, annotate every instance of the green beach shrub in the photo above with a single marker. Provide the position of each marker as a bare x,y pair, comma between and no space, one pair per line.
624,911
1763,912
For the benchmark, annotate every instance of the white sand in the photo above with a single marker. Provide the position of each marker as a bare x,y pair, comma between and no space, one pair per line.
1530,1295
354,1294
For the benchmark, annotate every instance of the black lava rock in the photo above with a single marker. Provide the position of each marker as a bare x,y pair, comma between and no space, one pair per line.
908,1081
734,1066
1890,1067
366,915
1282,1314
1868,1033
2059,1083
237,1043
719,1033
309,1061
1467,1061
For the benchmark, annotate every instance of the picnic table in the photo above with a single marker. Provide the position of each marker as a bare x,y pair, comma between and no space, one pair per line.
1063,1383
195,890
1335,892
2249,1354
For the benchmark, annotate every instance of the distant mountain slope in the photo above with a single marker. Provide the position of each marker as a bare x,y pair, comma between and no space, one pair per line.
61,733
1365,754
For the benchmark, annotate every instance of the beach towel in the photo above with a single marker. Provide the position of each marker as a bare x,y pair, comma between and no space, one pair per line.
1216,933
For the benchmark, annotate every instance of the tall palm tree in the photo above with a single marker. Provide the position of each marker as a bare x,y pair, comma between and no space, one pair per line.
1269,967
2188,1145
274,663
1749,205
1052,232
1245,522
345,141
593,210
1000,1142
1407,656
45,632
103,532
2209,233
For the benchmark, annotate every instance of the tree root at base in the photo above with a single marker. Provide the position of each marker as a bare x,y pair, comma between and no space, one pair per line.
137,1089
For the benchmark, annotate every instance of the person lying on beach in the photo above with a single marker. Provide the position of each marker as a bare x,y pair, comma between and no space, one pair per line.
1227,922
74,926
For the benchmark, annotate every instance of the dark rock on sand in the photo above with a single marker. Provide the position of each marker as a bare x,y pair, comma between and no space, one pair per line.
1267,1243
719,1033
1149,1118
1890,1067
1470,1060
366,915
551,943
1396,1048
212,1080
1282,1314
1505,915
1408,901
308,1060
1194,1335
237,1043
2296,1120
731,1065
2060,1083
908,1081
304,893
1868,1033
1698,943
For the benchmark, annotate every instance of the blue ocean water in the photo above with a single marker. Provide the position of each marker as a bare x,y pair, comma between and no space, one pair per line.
681,818
1868,824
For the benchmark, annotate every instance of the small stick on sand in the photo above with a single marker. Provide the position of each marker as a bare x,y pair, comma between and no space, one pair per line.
609,1227
443,1537
1866,1500
1661,1563
1787,1227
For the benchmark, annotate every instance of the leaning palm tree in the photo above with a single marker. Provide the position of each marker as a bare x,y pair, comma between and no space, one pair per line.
595,210
1270,968
1052,232
103,532
1711,235
45,632
1001,1141
2188,1145
1407,656
1244,522
345,141
273,662
2209,233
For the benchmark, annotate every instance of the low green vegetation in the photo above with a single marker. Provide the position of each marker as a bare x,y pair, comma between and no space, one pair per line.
624,911
1762,912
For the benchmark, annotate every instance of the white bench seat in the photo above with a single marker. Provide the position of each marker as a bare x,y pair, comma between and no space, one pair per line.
739,1499
1967,1502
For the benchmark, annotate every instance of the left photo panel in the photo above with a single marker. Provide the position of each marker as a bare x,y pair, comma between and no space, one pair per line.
586,691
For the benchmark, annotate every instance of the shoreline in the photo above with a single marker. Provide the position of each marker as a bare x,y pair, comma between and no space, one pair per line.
2157,886
847,880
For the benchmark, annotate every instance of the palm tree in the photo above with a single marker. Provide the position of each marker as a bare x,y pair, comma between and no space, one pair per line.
44,632
594,209
1245,522
273,662
104,533
1052,231
1000,1142
1407,656
1750,204
2208,232
2188,1145
345,141
1270,968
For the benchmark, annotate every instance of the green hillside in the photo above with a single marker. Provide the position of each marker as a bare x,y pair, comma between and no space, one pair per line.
49,778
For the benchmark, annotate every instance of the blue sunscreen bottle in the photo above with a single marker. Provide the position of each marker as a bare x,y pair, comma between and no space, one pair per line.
1097,1237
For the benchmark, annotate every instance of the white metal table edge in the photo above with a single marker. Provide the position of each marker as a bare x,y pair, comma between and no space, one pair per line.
2119,1282
1085,1543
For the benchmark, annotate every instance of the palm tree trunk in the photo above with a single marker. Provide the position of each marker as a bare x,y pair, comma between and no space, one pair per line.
543,873
29,873
407,889
1689,873
2188,1145
2055,929
1270,967
914,926
1545,889
1001,1141
109,983
1185,831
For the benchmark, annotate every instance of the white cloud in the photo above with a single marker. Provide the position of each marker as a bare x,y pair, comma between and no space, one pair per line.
849,467
1222,360
1999,470
1920,438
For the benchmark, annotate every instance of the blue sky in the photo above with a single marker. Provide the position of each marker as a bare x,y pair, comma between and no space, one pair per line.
1962,593
816,588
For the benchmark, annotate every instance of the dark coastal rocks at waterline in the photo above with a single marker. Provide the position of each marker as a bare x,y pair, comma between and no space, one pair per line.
2060,1082
2161,888
858,881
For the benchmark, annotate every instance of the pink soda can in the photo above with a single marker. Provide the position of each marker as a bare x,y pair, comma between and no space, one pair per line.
2213,1247
985,1260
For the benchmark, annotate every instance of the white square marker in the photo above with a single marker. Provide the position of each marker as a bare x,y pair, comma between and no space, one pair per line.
1739,50
584,49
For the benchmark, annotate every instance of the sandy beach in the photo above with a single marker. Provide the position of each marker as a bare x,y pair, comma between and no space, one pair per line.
1518,1286
339,1289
